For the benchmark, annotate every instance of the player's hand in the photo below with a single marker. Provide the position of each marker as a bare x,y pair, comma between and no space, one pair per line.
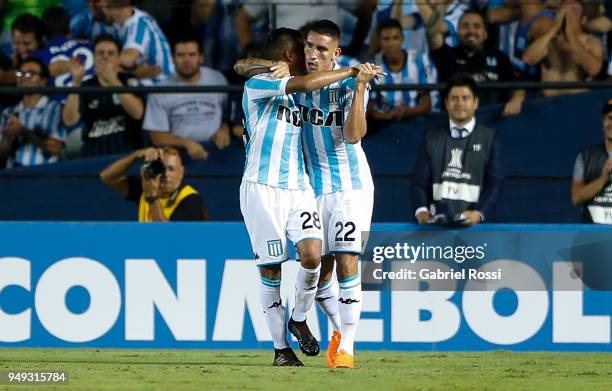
367,72
280,69
512,107
472,217
222,138
196,151
424,217
77,70
14,126
249,67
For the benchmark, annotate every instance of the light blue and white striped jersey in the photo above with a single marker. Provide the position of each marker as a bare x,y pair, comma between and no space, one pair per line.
273,125
45,118
333,163
83,26
141,32
417,69
347,61
451,18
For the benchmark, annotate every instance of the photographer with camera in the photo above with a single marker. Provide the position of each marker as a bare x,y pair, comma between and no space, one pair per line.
160,192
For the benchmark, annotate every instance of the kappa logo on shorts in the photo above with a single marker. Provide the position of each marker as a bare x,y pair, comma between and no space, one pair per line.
275,248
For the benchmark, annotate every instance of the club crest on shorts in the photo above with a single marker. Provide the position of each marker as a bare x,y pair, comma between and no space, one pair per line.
275,248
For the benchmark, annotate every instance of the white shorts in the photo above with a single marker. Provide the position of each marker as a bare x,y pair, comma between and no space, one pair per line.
273,216
345,215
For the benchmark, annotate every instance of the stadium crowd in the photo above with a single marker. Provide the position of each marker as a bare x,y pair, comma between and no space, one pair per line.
127,42
196,42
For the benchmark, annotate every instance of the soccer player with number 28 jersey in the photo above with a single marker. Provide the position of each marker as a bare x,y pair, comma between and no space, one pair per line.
276,198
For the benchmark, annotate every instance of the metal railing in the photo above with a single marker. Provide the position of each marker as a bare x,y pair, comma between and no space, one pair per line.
527,85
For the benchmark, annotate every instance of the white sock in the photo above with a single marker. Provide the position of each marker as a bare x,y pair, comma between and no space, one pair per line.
305,291
349,305
327,297
274,311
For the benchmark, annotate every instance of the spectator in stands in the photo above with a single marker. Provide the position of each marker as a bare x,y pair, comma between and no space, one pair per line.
145,49
91,22
185,120
27,34
407,13
503,16
59,48
252,50
160,192
295,14
564,51
472,57
458,172
215,24
592,182
442,17
31,132
534,21
112,122
401,66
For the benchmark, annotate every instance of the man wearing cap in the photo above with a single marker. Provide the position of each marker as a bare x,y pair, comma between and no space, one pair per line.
592,182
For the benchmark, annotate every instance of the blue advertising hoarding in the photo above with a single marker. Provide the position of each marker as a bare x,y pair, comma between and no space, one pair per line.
195,285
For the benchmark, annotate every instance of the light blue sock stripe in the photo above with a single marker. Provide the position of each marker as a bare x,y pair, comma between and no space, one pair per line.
349,286
325,285
348,279
269,282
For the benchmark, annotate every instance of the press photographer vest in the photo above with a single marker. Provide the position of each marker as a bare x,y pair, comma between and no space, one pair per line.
169,204
599,210
458,167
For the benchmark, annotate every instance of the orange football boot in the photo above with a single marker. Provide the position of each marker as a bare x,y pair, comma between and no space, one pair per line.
332,349
344,360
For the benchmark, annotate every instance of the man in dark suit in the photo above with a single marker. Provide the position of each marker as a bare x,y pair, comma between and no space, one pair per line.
458,173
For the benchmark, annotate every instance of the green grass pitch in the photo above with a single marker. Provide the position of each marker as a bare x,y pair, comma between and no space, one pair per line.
112,369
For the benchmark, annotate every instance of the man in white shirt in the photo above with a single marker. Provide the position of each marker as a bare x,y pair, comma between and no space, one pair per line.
186,120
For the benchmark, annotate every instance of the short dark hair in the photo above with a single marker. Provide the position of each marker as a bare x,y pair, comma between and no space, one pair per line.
461,80
474,11
389,24
187,38
253,49
280,39
324,27
44,70
105,37
56,22
28,23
